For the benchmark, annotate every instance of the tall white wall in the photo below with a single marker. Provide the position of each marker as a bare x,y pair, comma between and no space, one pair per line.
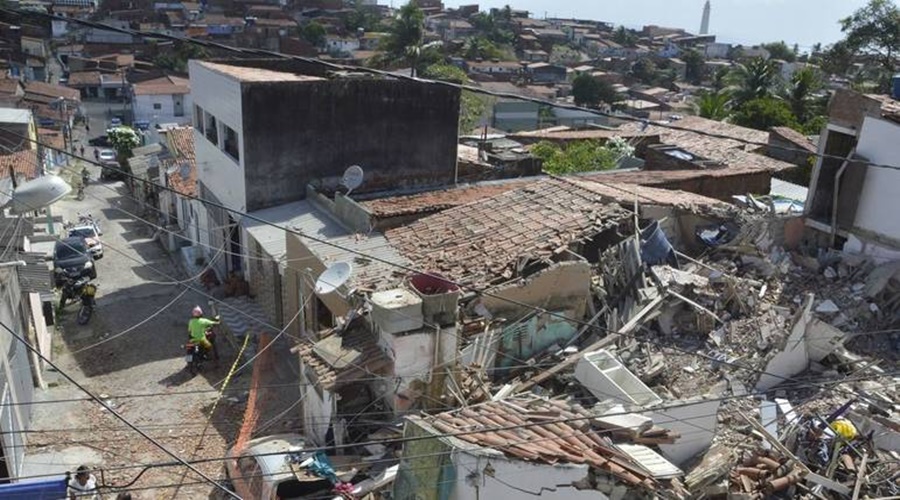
144,110
879,142
221,96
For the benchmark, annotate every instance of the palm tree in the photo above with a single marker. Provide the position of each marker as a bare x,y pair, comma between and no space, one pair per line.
404,42
754,80
800,92
714,105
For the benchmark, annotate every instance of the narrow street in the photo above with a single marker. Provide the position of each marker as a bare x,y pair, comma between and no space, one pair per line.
130,353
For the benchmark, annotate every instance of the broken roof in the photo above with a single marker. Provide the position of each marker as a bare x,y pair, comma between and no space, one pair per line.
731,150
484,241
343,357
435,201
536,430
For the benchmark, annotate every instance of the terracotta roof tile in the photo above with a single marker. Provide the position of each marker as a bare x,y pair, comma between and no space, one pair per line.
48,90
181,144
163,86
336,359
24,163
84,78
795,138
731,151
565,436
436,201
484,241
9,85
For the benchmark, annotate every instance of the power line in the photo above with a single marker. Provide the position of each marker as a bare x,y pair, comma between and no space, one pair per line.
111,410
400,76
411,270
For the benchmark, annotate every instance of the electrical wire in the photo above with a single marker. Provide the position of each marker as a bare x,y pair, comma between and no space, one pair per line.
111,410
398,76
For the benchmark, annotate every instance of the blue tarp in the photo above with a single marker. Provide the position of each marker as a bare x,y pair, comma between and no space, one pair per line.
36,490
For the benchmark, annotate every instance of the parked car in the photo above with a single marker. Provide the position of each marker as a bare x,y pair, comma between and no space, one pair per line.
72,258
107,155
91,234
115,122
100,142
274,468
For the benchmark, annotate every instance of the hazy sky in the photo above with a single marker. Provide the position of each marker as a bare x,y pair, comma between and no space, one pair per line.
735,21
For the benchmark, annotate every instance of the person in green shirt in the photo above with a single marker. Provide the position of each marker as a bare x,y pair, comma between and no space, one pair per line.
197,329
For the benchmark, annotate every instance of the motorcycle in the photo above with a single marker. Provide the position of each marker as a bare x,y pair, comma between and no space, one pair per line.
195,355
72,288
88,301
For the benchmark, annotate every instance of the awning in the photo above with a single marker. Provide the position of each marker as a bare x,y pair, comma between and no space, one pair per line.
37,490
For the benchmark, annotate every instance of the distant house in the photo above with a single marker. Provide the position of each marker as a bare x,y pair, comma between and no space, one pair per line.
341,44
546,73
717,50
535,56
499,70
163,100
87,82
370,40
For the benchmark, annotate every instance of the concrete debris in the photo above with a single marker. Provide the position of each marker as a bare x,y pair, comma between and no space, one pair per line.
827,307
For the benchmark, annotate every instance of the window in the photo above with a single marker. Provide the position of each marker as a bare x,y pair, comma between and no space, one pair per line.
157,105
231,143
212,128
198,119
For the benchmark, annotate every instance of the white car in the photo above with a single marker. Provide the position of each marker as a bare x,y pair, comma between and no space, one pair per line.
107,155
91,234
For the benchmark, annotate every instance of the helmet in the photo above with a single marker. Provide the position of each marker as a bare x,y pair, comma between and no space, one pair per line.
197,312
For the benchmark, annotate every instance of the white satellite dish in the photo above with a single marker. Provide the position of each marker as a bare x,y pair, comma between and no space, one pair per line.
333,278
39,193
353,178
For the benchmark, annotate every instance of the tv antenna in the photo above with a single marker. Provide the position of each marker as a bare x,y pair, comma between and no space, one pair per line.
352,178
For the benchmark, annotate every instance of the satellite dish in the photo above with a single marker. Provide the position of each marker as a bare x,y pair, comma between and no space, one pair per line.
39,193
333,278
353,178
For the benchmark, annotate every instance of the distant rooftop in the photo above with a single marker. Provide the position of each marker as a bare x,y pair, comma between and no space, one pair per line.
243,74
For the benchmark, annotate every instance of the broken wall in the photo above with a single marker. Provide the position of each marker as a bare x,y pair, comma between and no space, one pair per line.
794,357
564,285
527,338
695,420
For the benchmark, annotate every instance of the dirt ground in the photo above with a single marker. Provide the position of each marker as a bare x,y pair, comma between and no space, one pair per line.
142,372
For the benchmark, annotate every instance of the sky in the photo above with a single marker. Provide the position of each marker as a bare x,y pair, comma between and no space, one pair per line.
746,22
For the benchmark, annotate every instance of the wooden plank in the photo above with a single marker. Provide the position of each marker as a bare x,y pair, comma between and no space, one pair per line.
860,476
600,344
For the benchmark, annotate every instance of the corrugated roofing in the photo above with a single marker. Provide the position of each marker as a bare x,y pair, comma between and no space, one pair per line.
788,190
35,276
15,115
304,217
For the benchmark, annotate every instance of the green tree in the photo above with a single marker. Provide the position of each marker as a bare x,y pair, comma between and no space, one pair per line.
763,113
645,71
714,105
780,50
695,69
404,41
837,58
314,33
754,79
123,140
481,48
874,30
720,78
580,156
589,91
801,94
362,16
624,37
472,106
178,59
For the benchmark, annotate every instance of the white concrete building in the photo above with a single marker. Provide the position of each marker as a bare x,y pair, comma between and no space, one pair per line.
162,100
854,201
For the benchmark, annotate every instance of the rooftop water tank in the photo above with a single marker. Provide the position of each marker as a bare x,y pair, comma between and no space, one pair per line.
397,311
